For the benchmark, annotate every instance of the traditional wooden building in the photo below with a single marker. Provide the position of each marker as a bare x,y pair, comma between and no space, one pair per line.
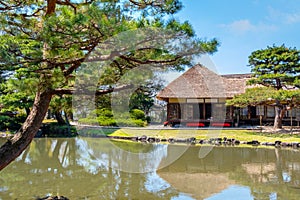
197,98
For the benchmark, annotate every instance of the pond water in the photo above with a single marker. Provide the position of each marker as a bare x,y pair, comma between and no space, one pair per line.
90,168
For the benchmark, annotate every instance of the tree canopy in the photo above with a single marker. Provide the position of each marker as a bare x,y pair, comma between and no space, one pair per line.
276,66
275,80
265,96
49,41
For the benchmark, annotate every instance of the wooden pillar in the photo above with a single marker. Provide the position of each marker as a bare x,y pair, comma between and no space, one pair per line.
265,112
204,109
168,111
179,111
249,112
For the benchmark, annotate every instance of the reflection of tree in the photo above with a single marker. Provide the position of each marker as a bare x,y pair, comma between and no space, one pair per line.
269,174
126,156
259,169
68,167
79,168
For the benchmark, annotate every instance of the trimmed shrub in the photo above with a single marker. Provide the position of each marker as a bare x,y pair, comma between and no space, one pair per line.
140,123
131,122
106,121
88,121
105,117
104,112
137,114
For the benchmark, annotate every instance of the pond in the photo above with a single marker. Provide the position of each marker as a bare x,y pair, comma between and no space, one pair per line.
91,168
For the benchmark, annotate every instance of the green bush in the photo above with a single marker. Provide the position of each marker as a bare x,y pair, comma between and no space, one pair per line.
106,121
105,117
131,122
137,114
105,112
140,123
88,121
11,122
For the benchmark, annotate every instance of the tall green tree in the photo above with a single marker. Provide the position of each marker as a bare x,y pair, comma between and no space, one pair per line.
61,108
277,68
143,97
18,93
53,38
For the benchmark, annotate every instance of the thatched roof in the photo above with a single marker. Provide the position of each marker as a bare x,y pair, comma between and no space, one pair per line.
200,82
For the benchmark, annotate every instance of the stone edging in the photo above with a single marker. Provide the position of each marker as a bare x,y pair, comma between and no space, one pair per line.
212,141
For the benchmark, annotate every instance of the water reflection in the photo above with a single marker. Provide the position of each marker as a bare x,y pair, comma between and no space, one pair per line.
86,168
268,173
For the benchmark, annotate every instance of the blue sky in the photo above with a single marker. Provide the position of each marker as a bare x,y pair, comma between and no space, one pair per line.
243,26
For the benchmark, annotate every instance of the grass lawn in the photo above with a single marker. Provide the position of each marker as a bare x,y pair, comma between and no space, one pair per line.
242,135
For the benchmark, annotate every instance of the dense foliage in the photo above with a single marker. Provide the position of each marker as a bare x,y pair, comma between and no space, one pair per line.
276,66
42,42
275,81
49,41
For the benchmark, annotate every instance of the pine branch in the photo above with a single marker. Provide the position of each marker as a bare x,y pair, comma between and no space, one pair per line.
71,91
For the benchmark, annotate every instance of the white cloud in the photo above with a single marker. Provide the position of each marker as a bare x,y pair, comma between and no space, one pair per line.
284,17
245,26
292,18
241,26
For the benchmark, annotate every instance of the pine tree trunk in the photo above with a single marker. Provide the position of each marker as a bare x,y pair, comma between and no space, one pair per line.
21,140
59,118
279,113
10,150
277,121
27,111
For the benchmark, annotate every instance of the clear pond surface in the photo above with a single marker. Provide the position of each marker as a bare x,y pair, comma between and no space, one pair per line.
91,168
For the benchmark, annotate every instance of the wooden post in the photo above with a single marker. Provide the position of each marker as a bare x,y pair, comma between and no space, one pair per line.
291,120
231,112
237,117
204,109
260,120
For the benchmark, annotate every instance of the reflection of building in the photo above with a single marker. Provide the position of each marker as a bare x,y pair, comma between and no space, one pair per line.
198,97
257,173
200,185
261,172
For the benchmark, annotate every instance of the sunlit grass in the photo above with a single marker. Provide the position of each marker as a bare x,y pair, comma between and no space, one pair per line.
242,135
46,121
